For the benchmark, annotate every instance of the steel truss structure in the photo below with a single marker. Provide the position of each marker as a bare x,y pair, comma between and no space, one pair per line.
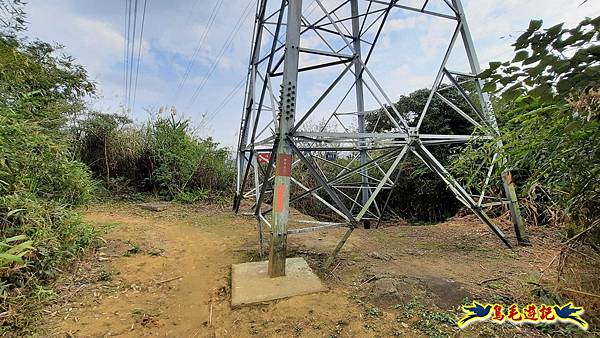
293,48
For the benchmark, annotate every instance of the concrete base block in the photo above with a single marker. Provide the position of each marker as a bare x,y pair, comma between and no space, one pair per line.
250,282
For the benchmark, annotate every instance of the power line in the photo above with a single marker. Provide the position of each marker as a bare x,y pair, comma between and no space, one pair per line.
199,44
208,118
124,48
132,48
226,45
137,70
126,51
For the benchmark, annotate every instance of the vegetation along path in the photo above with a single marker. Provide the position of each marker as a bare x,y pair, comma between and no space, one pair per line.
167,274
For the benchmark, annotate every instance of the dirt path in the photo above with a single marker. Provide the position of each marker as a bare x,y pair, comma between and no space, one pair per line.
167,274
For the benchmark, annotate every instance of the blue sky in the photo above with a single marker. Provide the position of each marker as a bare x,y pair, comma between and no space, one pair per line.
93,32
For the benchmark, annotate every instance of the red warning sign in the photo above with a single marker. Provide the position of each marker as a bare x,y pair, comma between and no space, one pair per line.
263,158
284,165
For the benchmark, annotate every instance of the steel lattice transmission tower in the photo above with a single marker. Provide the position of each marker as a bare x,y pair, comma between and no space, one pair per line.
307,64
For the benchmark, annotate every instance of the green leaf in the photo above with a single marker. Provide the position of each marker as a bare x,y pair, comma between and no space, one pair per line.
490,87
513,92
495,65
13,212
21,249
521,56
543,91
8,258
15,238
555,30
534,25
486,74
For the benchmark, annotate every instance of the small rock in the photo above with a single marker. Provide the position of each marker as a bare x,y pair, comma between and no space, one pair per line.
382,256
343,322
154,206
384,287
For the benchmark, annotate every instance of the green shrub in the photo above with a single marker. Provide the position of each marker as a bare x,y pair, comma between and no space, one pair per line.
549,115
105,145
185,163
40,181
419,193
162,156
178,155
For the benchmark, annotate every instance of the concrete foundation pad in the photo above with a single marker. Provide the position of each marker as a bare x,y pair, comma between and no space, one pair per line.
250,282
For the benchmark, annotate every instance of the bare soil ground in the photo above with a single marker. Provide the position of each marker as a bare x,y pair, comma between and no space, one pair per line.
167,274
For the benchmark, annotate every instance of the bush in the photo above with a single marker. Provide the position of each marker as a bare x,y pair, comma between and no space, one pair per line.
162,156
183,162
419,194
549,114
550,121
39,179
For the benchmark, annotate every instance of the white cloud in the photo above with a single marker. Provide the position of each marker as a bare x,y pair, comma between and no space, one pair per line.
95,43
406,58
410,22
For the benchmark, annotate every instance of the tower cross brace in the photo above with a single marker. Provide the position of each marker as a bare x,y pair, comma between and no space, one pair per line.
276,139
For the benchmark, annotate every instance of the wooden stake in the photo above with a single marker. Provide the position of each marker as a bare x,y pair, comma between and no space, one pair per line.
168,280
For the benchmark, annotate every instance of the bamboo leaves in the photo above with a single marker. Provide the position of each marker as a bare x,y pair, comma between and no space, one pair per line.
12,252
549,63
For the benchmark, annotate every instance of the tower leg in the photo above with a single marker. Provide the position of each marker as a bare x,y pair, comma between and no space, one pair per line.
509,187
281,198
360,102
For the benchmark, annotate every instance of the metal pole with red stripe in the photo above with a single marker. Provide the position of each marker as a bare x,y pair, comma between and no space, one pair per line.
283,172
